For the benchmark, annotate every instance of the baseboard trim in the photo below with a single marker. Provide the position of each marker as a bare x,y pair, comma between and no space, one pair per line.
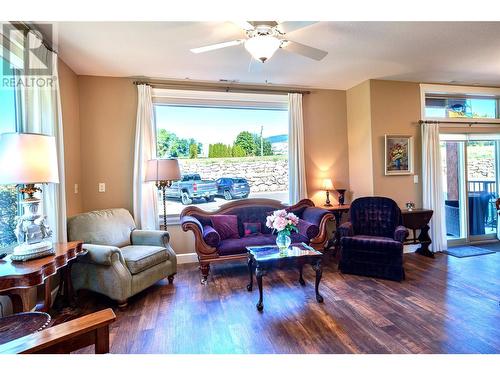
187,258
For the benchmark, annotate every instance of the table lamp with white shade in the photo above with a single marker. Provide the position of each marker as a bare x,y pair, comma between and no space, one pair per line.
163,172
327,186
28,159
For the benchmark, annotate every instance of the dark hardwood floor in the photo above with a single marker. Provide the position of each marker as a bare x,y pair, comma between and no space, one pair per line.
445,305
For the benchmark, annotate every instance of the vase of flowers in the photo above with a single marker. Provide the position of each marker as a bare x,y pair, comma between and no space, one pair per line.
284,223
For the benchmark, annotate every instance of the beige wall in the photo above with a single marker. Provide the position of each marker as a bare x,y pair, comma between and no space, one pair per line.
376,108
107,118
68,82
359,140
325,134
395,109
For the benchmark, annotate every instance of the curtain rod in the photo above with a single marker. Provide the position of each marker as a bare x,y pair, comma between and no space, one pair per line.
26,27
238,88
470,123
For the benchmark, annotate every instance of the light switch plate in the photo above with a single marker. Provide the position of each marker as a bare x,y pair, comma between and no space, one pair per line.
76,188
415,179
102,187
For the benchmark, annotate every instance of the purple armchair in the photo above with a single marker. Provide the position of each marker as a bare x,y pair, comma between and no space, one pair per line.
372,242
212,246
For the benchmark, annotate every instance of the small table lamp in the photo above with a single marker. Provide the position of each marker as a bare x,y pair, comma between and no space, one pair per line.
163,172
29,159
327,186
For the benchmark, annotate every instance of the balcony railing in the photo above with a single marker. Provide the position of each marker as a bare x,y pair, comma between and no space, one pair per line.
489,187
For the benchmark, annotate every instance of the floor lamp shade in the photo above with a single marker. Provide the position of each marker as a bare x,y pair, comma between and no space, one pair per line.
28,159
162,170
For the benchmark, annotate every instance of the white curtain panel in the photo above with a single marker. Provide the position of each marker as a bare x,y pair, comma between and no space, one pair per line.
296,160
42,114
432,185
145,194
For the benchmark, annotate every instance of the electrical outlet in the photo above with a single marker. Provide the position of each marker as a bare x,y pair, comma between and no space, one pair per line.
76,188
415,179
102,187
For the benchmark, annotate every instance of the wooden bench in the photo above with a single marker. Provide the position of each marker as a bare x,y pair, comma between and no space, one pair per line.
92,329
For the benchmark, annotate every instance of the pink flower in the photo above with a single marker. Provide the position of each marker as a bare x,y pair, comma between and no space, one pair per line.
280,223
293,218
269,221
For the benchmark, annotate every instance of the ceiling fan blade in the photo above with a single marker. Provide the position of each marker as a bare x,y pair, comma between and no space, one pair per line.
217,46
289,26
302,49
245,25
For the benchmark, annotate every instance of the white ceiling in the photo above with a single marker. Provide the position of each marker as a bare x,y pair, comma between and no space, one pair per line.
458,52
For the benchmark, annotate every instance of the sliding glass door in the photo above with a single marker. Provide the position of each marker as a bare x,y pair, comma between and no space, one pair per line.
482,182
470,165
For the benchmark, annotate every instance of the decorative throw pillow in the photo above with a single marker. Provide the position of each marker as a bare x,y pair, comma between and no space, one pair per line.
308,229
226,226
251,229
210,236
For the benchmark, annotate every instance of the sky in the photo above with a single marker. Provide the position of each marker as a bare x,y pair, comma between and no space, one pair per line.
213,125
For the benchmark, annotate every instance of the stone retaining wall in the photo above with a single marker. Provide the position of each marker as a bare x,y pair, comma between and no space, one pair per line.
263,174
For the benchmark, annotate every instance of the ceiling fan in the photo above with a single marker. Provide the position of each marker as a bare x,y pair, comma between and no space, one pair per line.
264,38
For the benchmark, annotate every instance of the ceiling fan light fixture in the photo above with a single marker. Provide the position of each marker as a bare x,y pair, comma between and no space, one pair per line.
262,47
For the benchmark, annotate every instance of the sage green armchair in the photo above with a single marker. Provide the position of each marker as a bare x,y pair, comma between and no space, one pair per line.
121,260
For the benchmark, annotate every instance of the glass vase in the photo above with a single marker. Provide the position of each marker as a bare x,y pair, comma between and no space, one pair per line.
283,241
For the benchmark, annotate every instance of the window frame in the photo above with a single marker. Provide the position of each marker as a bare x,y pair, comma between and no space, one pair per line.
213,99
473,92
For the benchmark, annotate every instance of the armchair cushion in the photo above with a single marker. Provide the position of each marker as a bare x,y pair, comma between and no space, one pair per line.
307,229
101,254
401,233
150,237
211,236
372,244
139,258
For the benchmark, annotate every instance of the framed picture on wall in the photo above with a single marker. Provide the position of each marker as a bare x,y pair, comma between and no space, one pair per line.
398,155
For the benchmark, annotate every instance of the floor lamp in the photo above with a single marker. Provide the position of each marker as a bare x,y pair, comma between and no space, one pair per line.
163,172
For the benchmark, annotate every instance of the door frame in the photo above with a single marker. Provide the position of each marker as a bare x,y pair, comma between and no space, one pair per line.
464,189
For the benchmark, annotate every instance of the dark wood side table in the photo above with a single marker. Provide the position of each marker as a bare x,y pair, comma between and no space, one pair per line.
338,210
419,218
19,325
17,277
263,258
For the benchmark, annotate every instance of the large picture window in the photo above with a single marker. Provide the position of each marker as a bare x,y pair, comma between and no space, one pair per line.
229,146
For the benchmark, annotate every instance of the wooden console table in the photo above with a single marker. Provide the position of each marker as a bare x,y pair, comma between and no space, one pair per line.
338,210
419,218
17,277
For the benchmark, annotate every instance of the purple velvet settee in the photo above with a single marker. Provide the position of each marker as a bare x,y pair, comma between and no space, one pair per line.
225,244
372,242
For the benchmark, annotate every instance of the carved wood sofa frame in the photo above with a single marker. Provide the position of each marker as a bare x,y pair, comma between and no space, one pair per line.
208,254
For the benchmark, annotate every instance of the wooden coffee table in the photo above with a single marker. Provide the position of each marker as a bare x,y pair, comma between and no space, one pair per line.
264,258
